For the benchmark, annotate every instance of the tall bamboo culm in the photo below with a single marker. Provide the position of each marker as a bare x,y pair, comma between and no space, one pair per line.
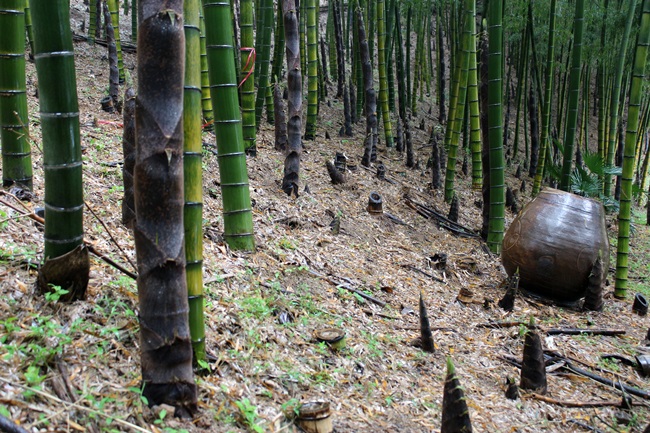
383,76
496,223
14,122
92,22
206,100
165,342
312,70
548,93
294,100
624,216
264,35
246,74
192,176
574,93
115,19
54,58
237,212
616,96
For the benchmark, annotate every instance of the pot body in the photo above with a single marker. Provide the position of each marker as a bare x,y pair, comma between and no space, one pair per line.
554,241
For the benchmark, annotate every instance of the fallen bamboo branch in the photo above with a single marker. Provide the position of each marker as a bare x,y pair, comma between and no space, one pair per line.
583,404
8,426
585,426
126,46
568,366
347,287
555,331
442,220
433,277
618,385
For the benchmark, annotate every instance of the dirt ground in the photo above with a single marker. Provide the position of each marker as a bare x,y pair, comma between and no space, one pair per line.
76,367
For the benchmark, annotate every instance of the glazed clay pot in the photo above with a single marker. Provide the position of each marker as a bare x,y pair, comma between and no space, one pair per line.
554,241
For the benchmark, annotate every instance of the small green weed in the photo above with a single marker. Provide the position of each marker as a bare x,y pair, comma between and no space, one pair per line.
248,415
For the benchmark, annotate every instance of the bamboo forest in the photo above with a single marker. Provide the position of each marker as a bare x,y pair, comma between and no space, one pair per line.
324,216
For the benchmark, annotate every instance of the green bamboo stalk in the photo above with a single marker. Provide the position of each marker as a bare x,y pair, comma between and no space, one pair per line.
472,100
192,176
523,76
54,58
383,76
206,100
14,122
548,93
302,24
600,84
246,74
264,56
134,21
237,212
312,71
495,124
331,39
409,17
574,93
29,29
624,216
165,342
278,45
92,22
456,125
115,19
615,98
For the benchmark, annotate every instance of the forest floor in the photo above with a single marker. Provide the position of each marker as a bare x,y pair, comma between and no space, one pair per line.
76,367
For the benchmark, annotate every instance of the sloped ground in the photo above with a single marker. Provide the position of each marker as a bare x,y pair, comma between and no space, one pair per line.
87,353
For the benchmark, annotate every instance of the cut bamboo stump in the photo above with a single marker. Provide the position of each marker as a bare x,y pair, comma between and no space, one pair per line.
554,242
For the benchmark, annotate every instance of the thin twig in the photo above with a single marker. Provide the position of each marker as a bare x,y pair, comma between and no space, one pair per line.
91,248
348,288
587,426
117,266
135,269
75,405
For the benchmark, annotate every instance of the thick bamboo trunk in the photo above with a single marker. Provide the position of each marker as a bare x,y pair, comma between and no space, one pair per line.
166,350
294,85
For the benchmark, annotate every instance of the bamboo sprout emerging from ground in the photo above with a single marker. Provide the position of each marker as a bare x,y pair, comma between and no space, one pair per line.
237,212
192,176
455,413
14,123
166,350
294,80
54,57
638,73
